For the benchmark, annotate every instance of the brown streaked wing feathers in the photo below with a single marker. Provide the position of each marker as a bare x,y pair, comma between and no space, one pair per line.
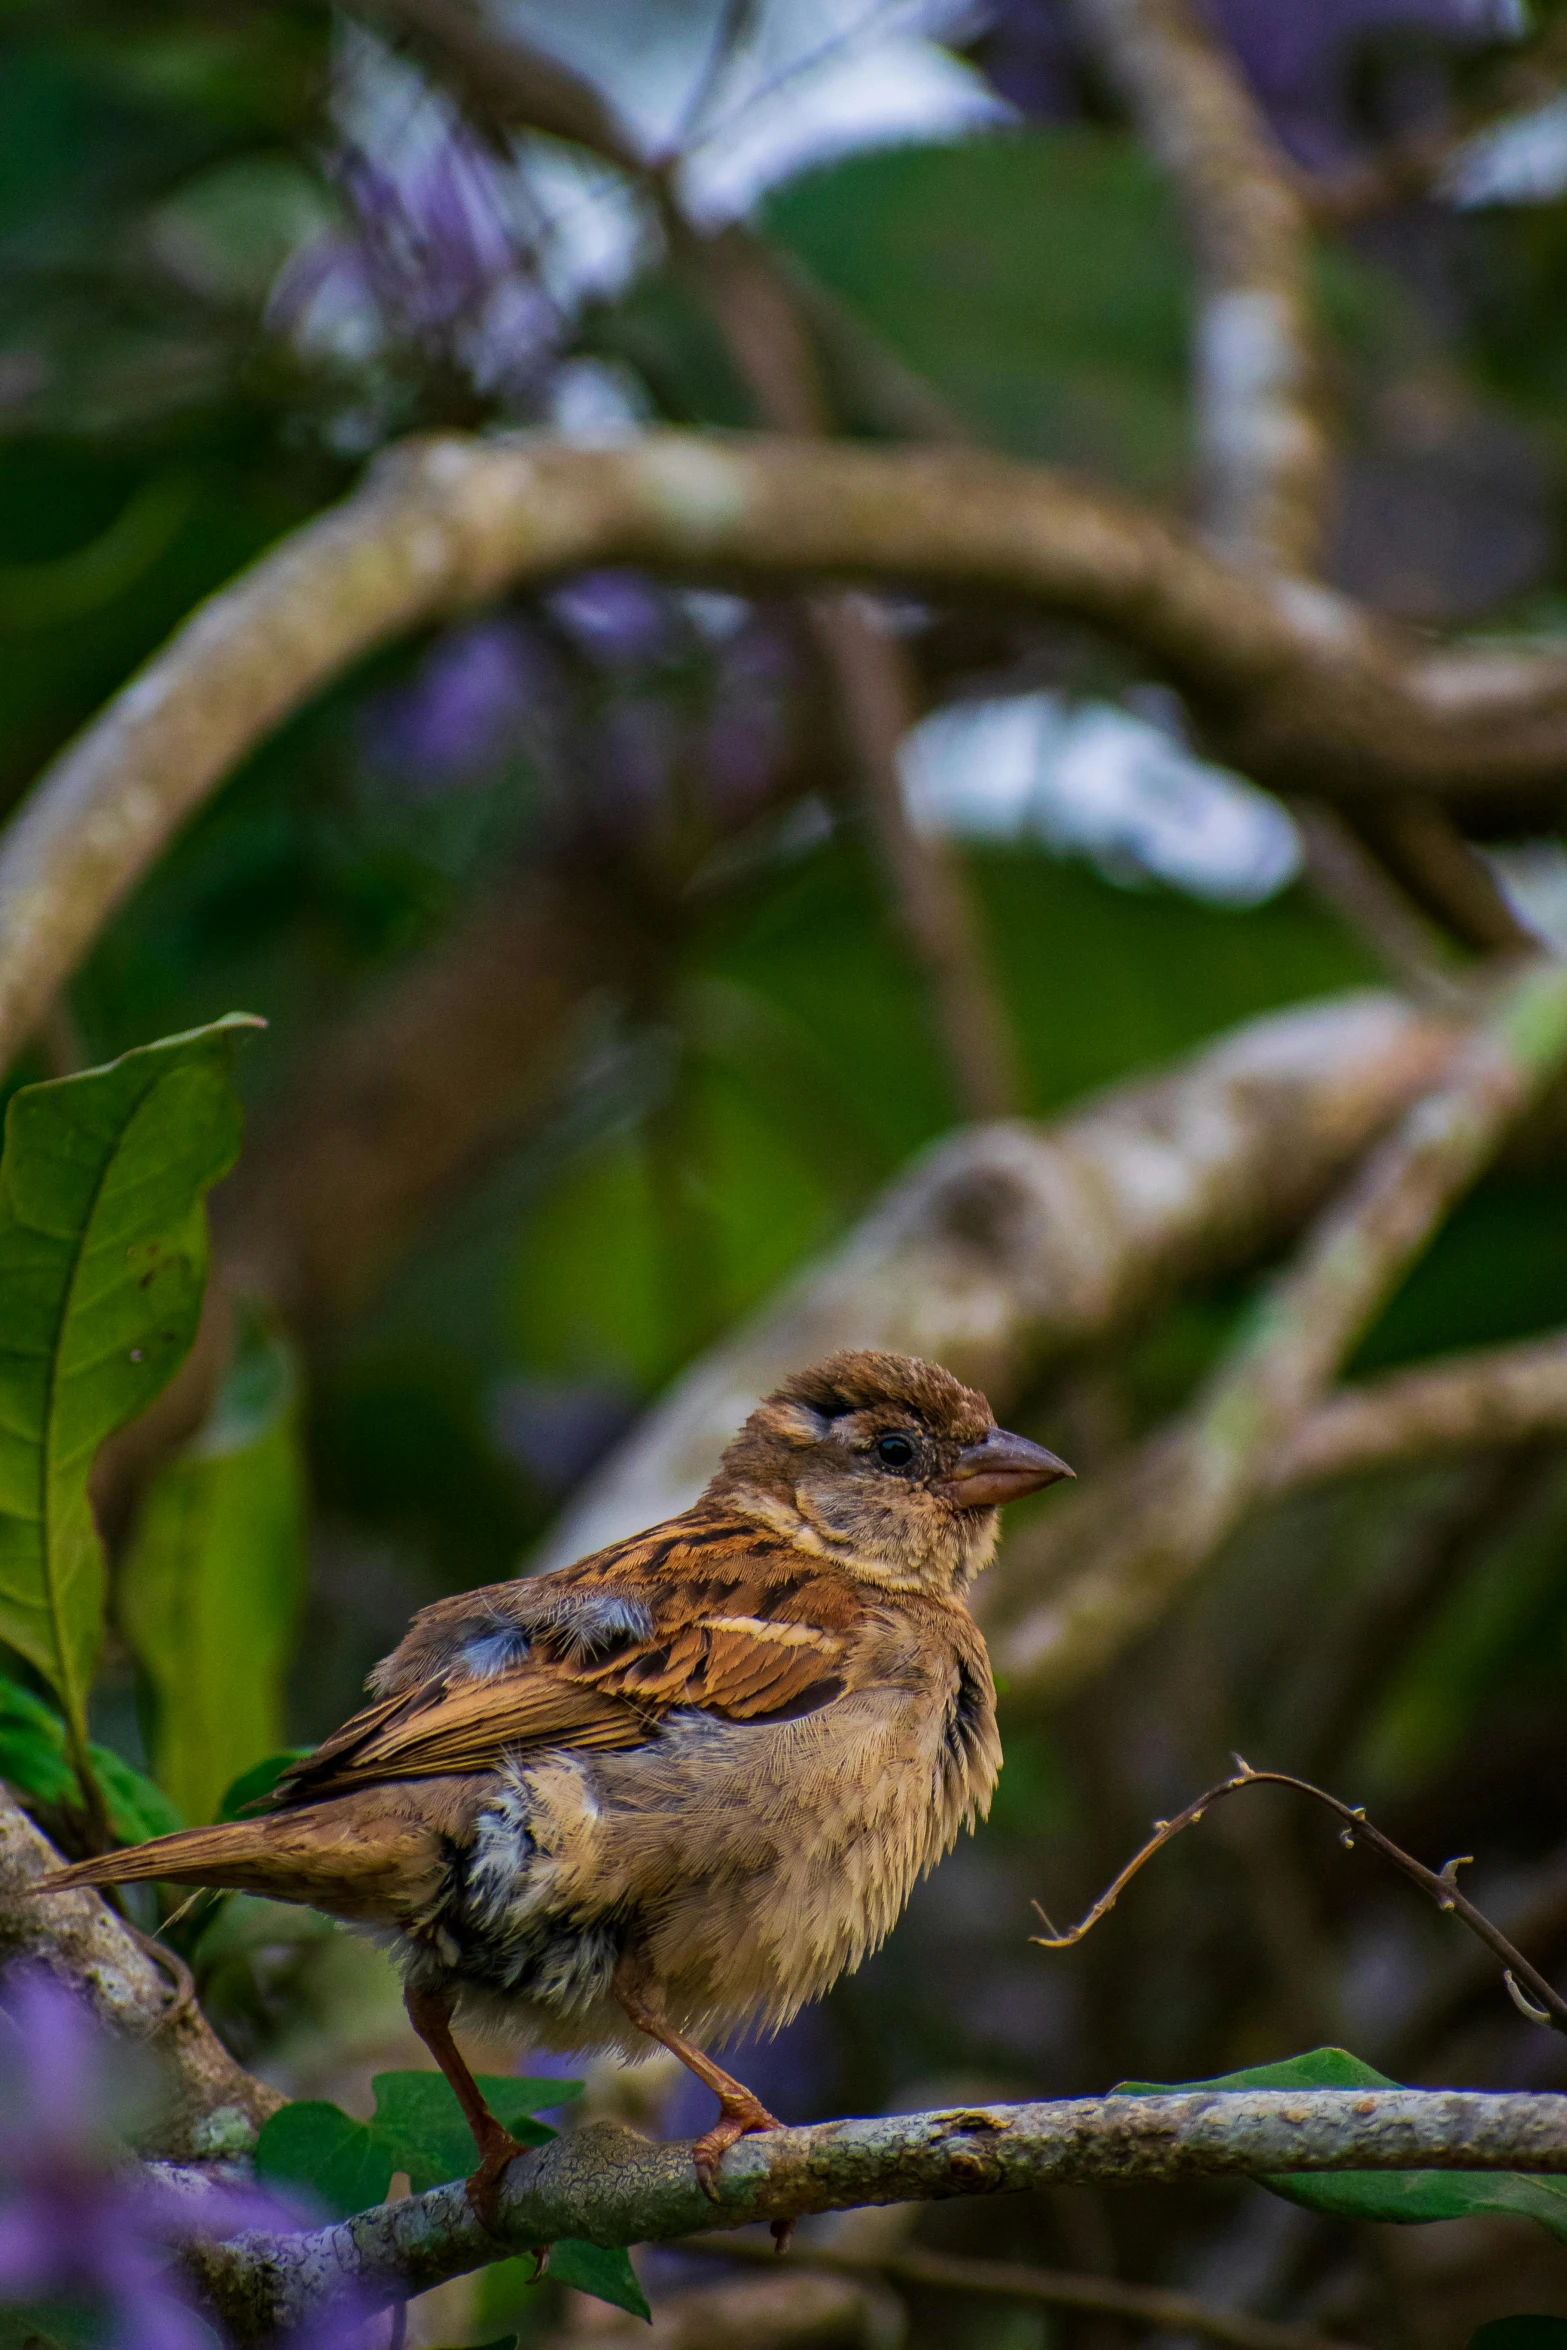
739,1645
468,1728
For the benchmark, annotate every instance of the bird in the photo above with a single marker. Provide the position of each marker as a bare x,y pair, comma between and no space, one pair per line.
681,1786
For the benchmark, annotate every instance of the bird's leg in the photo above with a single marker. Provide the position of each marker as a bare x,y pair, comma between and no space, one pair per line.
430,2013
740,2112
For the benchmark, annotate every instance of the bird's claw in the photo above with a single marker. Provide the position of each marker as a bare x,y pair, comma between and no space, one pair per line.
735,2122
485,2185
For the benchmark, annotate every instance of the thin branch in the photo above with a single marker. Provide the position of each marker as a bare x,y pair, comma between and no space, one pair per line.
1302,693
1358,887
1549,2007
1114,1560
1264,454
212,2106
1423,850
1010,2280
606,2184
1498,1396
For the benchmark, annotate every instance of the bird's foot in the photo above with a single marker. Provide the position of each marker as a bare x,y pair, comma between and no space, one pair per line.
498,2151
741,2117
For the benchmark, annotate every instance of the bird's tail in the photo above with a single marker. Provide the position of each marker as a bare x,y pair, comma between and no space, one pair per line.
240,1856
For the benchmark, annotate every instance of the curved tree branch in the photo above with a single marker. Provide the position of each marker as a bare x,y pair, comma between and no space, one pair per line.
604,2183
1301,689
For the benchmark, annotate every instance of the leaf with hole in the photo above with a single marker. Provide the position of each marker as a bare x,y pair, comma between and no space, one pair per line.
103,1260
1410,2196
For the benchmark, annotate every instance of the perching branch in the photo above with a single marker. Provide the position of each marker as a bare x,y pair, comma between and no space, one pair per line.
1111,1561
1263,452
606,2184
1298,687
1008,1246
1157,2306
213,2107
1544,2004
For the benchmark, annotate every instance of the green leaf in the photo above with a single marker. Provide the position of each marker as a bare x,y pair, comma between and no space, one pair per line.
1521,2333
420,2123
1411,2196
607,2274
103,1259
211,1586
33,1760
253,1787
417,2127
317,2146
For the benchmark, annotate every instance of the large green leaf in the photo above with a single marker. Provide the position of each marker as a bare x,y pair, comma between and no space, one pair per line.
1410,2196
212,1583
103,1258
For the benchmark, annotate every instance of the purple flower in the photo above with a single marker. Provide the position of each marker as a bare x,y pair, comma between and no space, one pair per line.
480,693
79,2221
614,617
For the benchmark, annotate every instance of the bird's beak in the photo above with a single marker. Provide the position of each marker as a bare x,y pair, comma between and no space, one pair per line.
1001,1467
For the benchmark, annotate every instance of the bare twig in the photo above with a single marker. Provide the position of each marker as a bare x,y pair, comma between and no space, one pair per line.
604,2183
1497,1396
1264,453
1010,2280
1307,694
1544,2003
1127,1553
1423,849
1357,886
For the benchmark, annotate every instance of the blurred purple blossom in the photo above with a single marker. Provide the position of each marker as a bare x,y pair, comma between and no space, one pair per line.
79,2221
478,698
614,617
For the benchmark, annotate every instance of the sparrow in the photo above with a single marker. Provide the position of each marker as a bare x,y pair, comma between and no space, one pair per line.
681,1786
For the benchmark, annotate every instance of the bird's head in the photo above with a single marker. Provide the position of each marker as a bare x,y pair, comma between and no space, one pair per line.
887,1463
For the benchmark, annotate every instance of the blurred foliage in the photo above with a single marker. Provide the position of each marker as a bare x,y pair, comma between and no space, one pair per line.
729,1116
210,1587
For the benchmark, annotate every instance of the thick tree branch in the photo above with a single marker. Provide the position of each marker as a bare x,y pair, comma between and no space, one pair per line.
1111,1561
213,2107
1302,690
1008,1246
614,2188
1263,451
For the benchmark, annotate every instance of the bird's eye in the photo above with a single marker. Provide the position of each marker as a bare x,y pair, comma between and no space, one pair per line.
894,1452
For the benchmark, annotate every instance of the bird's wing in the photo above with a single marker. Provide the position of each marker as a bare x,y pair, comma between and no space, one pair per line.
729,1626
